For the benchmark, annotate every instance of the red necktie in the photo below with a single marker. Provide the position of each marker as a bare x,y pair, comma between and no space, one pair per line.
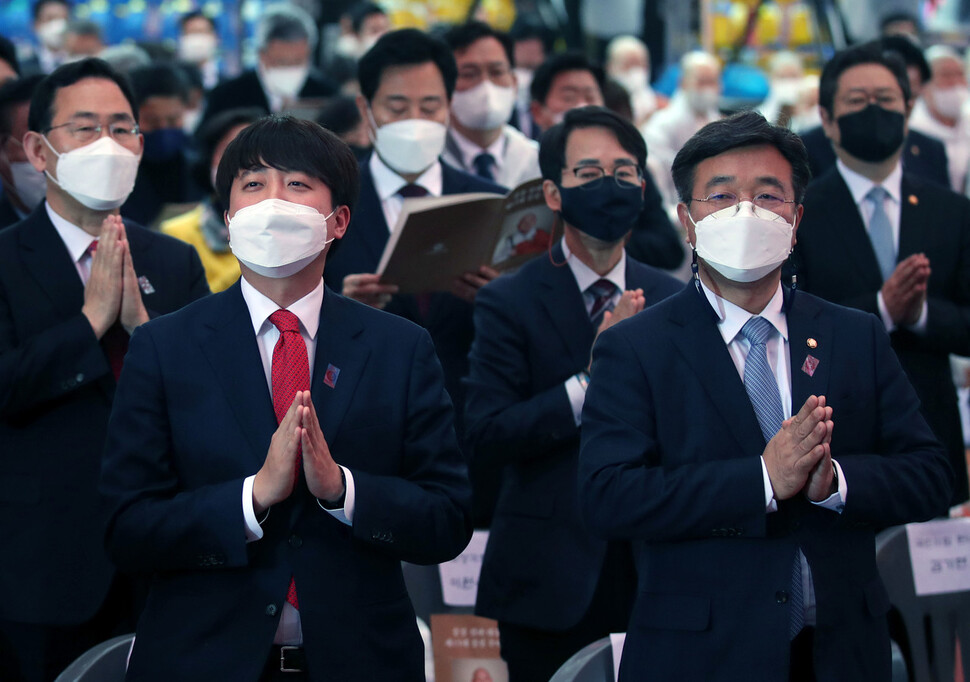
115,340
290,373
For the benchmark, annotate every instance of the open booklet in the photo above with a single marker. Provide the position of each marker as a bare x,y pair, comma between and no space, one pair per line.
437,239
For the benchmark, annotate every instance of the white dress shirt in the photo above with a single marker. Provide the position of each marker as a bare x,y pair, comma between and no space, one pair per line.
75,240
388,183
955,139
586,277
307,310
731,319
516,156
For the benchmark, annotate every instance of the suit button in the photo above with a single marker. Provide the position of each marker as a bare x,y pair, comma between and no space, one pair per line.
781,597
271,610
296,541
79,378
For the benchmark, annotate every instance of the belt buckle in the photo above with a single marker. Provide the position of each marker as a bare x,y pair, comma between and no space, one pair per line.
283,668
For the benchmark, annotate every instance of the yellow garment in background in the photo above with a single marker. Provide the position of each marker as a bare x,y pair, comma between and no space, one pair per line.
221,269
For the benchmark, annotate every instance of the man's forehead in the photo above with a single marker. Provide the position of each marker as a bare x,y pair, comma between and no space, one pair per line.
762,164
96,96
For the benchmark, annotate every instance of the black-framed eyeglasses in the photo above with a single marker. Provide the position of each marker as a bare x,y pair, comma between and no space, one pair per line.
626,176
763,201
123,132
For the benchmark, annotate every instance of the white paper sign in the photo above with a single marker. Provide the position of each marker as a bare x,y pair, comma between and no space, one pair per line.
940,554
617,639
459,577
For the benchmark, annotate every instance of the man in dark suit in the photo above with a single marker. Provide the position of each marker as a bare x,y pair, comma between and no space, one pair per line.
285,38
23,188
751,440
552,587
406,83
878,238
66,311
276,541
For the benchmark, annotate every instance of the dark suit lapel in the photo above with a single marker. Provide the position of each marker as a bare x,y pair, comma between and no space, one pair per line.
562,300
372,226
846,222
48,261
809,348
229,343
702,347
911,234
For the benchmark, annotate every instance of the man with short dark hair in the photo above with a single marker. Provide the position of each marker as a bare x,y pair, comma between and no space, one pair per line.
277,450
50,20
9,64
75,281
750,440
23,185
552,587
199,45
879,238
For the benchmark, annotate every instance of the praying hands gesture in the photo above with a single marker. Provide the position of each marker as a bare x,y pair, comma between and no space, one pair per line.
112,293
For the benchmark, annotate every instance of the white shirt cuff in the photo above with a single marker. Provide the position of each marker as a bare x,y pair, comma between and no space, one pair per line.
253,530
835,501
577,397
887,321
346,514
920,325
771,504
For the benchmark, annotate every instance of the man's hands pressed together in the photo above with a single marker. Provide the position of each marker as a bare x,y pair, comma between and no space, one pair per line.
112,292
799,456
904,293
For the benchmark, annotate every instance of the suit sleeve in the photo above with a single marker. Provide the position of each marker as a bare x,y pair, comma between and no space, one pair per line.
154,524
654,240
423,513
628,487
948,318
503,418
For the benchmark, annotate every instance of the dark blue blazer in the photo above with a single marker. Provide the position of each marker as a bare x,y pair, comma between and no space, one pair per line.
835,260
670,459
449,319
532,332
56,391
923,155
194,417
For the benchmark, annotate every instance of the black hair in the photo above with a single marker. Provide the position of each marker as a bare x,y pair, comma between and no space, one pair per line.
84,27
909,52
531,28
552,147
746,129
195,14
405,47
893,17
211,133
617,99
191,73
557,64
42,103
159,80
869,53
13,92
291,144
8,53
339,115
359,13
39,5
462,36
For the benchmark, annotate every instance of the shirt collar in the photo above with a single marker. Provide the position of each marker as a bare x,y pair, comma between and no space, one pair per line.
75,239
586,276
387,183
859,185
469,150
307,309
730,318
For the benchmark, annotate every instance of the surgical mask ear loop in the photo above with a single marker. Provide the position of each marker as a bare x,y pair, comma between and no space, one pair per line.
693,262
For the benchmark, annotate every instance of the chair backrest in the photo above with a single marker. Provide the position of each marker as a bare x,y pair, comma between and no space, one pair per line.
105,662
592,663
932,622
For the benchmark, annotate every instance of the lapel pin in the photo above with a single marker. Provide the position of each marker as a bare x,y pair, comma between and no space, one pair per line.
810,364
811,343
913,199
914,150
330,377
146,286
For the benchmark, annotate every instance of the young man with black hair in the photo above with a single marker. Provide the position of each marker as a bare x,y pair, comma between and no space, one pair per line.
879,238
552,587
75,281
750,440
277,450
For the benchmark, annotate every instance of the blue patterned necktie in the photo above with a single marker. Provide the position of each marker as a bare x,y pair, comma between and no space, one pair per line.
881,232
602,291
762,389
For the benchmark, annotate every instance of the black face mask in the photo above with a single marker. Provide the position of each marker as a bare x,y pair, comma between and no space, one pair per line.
606,212
872,134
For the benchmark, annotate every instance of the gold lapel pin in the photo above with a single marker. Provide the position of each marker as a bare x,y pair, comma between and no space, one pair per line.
914,150
811,343
913,199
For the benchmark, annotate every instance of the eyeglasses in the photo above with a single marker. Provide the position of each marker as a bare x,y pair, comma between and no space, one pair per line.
626,176
764,203
123,132
860,100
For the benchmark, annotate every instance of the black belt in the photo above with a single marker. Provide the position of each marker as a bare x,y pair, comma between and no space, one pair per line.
286,659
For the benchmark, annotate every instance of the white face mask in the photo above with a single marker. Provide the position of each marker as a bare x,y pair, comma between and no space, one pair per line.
633,80
950,101
51,33
31,185
409,146
703,100
743,247
786,91
524,78
484,107
197,47
99,175
285,81
277,238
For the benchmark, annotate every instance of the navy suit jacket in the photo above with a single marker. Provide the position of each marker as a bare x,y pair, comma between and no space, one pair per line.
923,155
194,417
670,459
835,260
449,319
532,332
56,390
